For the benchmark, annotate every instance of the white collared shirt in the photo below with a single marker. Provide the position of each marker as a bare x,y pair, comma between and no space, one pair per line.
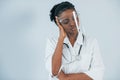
86,59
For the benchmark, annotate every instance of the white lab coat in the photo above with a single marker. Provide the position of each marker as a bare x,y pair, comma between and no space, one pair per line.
88,61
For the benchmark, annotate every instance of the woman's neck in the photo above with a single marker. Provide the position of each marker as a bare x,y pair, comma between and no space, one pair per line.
72,38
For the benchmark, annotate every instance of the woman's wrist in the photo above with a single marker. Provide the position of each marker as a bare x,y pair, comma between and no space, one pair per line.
61,38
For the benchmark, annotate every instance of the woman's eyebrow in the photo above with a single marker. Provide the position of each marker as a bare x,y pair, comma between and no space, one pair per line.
66,18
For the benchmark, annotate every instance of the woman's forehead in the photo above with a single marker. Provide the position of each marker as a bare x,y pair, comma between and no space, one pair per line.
66,13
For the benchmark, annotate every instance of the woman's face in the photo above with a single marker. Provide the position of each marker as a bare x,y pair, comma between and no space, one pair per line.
67,21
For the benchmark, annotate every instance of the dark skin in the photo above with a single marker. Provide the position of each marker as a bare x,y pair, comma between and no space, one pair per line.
71,31
70,28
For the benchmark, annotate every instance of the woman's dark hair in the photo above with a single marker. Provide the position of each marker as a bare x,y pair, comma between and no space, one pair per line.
59,8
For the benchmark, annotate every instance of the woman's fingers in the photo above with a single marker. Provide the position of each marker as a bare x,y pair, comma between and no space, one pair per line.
62,32
58,22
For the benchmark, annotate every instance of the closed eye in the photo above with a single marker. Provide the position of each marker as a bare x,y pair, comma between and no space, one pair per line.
65,21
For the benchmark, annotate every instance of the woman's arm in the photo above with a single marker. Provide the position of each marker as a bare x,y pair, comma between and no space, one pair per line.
57,56
73,76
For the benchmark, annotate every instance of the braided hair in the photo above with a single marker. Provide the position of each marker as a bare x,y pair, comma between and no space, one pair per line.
59,8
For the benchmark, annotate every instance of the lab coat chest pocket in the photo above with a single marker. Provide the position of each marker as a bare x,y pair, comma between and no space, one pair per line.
86,59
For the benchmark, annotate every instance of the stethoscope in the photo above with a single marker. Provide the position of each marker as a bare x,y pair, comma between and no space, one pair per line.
77,57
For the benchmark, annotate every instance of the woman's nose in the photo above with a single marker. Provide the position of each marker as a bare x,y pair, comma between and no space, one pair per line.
72,22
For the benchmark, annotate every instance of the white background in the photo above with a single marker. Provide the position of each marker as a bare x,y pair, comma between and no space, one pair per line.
25,25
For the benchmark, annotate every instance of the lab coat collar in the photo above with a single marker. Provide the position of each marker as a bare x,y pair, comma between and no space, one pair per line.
66,40
79,39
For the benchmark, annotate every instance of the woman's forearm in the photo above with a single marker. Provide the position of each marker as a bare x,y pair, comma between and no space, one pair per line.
78,76
57,57
73,76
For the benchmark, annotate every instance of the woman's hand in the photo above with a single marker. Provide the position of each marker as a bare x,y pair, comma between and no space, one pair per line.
62,32
62,76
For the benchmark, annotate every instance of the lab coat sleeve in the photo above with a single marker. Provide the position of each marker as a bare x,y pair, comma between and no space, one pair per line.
50,47
96,69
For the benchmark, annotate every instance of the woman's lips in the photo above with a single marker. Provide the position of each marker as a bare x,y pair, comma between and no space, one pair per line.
73,29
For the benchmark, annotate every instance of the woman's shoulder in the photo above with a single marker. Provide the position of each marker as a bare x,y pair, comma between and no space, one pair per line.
52,36
90,40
